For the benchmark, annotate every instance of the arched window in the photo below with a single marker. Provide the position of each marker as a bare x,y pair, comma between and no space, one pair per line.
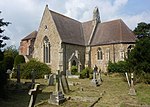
107,54
99,54
46,50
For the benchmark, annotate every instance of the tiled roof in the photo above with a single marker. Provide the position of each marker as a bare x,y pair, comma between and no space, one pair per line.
70,30
112,32
31,36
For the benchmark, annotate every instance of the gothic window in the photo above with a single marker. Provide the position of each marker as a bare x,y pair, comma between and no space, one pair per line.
107,54
99,54
46,50
122,55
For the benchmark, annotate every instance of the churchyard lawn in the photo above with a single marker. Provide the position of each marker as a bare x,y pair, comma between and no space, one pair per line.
112,93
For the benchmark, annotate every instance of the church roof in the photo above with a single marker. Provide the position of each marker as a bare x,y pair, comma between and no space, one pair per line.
111,32
70,30
31,36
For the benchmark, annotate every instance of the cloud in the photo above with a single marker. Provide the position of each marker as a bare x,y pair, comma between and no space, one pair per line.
25,15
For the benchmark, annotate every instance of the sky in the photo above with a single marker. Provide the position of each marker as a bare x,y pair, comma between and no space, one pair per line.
25,15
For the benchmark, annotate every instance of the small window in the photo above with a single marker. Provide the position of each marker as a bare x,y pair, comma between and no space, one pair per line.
99,54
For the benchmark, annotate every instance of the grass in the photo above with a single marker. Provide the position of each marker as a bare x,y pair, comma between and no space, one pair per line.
114,93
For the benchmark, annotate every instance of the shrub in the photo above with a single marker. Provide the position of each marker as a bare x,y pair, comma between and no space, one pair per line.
40,69
86,73
18,60
8,62
120,67
74,70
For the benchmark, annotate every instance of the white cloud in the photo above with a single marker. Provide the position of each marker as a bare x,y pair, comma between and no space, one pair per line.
25,15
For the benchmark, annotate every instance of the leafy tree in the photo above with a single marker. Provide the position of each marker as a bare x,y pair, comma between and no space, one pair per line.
142,30
11,51
18,60
3,37
139,58
3,76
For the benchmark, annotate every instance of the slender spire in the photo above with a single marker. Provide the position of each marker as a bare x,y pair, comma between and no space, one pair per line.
96,15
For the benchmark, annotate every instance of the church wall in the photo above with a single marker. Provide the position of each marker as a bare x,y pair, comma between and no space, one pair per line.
23,49
47,28
69,49
113,53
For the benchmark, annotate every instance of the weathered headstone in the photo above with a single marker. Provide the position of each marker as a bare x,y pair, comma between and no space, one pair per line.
64,84
33,76
57,97
132,90
94,80
18,74
51,80
9,72
34,92
99,80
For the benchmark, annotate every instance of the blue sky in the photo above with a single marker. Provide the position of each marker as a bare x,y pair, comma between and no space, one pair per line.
25,15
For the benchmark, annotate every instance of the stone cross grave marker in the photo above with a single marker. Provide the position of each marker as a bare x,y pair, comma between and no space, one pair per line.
18,73
51,80
94,80
64,84
57,97
132,90
99,80
34,92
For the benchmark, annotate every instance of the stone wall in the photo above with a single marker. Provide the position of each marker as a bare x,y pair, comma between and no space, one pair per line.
69,49
47,28
117,52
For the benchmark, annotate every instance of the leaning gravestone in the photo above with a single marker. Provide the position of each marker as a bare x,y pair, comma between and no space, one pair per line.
51,80
64,84
57,97
34,92
132,90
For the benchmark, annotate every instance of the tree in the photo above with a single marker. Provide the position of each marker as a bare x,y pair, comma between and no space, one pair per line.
11,51
3,37
3,76
142,30
139,58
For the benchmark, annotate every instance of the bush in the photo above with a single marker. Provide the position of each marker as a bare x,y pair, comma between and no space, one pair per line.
8,62
18,60
86,73
119,67
74,70
40,69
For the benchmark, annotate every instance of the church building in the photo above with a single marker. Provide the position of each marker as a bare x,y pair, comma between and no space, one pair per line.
62,42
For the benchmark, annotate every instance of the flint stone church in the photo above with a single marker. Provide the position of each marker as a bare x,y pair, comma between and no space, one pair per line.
62,42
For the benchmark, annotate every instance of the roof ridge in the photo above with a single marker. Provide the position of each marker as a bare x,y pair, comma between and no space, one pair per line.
64,15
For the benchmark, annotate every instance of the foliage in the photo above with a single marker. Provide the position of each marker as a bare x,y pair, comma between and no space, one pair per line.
39,69
86,73
74,70
120,67
139,58
142,30
18,60
3,76
8,62
11,51
3,37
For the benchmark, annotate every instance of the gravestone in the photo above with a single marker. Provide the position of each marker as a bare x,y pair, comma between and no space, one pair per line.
33,76
127,79
18,74
57,97
64,84
51,80
132,90
99,80
9,72
94,80
34,92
